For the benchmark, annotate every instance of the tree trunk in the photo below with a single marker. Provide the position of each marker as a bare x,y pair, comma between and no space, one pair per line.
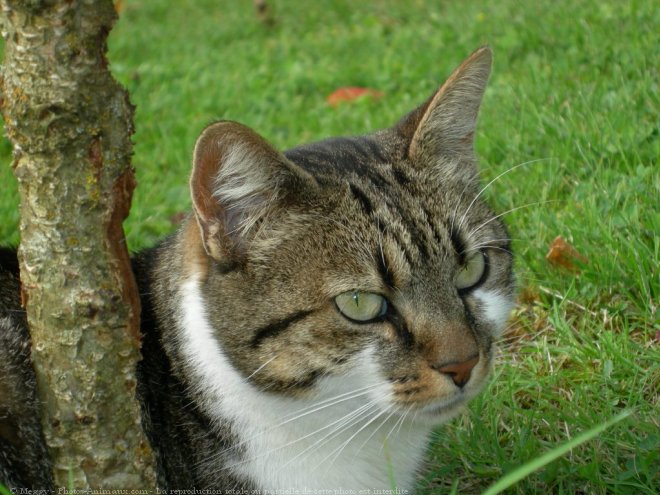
70,123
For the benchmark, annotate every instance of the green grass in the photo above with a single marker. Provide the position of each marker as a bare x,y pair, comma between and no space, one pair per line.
574,92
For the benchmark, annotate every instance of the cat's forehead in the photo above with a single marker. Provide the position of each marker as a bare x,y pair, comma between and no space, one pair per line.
423,211
341,156
379,160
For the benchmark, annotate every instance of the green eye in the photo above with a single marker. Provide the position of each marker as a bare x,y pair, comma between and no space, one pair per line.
471,273
361,306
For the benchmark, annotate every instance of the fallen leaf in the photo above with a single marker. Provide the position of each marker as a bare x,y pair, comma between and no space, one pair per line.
563,255
351,93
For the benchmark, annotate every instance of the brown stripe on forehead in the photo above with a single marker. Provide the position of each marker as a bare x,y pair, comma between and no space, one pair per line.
458,243
402,205
400,176
362,198
277,327
336,156
414,229
435,230
399,202
413,226
418,236
385,271
367,205
374,182
401,246
375,150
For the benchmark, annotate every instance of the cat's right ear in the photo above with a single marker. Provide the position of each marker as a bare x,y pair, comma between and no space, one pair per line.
238,180
444,126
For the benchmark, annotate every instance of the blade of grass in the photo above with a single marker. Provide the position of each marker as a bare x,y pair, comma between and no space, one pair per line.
4,490
528,468
390,468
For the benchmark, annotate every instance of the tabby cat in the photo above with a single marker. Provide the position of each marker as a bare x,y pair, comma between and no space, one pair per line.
319,312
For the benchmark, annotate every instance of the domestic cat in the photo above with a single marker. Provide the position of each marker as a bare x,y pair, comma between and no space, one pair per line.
317,314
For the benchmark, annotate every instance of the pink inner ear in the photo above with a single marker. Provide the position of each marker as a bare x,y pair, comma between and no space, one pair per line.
233,184
207,158
237,217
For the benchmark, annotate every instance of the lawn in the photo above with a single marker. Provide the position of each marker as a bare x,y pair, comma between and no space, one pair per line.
573,100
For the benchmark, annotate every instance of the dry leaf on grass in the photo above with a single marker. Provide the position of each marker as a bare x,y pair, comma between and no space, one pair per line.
350,94
564,255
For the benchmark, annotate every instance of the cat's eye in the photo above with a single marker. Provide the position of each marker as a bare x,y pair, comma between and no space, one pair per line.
472,271
360,306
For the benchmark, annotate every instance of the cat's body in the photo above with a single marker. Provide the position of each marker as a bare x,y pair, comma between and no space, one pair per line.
321,310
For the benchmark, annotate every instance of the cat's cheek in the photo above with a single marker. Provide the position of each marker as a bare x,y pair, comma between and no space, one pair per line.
495,308
367,368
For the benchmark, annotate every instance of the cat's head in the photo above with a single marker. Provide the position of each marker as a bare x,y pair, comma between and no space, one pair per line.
371,261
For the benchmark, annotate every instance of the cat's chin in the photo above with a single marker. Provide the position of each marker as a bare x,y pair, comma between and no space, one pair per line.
438,413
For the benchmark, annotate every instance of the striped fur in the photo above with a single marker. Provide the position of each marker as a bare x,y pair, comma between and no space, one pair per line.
252,377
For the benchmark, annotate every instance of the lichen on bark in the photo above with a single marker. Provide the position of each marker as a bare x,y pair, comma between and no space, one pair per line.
70,124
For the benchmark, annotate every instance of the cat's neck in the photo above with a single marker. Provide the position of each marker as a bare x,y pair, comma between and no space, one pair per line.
336,439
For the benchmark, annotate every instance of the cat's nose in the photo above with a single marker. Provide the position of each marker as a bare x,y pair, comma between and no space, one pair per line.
459,372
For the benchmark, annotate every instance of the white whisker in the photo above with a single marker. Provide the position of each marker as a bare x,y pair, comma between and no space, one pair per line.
337,399
332,401
337,451
483,189
297,440
474,231
260,368
375,431
473,179
394,427
345,423
403,417
487,244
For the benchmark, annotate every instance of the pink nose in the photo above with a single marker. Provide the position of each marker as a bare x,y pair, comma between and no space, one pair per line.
460,372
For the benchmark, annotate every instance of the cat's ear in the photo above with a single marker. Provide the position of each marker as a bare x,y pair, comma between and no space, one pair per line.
444,126
237,180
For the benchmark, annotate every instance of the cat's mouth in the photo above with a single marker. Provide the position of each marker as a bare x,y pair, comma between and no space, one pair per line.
445,407
436,413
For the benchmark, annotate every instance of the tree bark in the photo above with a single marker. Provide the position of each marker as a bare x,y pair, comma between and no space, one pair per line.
70,124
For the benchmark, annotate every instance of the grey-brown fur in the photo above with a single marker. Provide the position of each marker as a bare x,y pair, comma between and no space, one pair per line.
273,238
23,458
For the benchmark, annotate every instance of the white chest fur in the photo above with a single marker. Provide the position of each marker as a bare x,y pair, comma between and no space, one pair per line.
339,440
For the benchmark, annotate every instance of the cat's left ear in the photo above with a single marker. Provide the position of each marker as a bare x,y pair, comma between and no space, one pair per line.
239,181
444,126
